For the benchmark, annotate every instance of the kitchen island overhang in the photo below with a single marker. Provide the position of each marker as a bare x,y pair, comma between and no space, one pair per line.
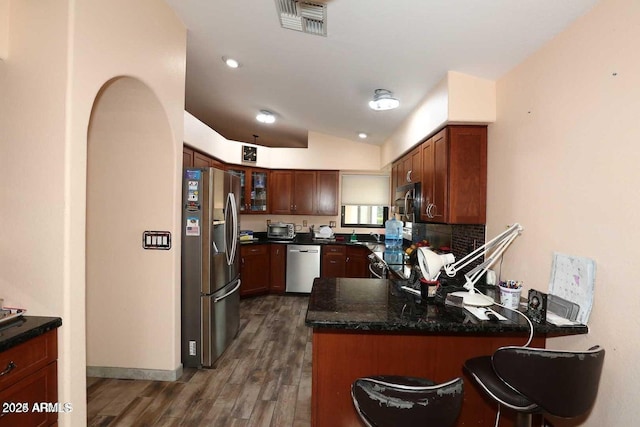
364,327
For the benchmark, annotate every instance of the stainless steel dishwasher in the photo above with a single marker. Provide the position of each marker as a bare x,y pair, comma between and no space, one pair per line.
303,265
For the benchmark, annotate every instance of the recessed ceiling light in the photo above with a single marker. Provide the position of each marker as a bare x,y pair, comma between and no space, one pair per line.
362,135
231,63
383,100
265,116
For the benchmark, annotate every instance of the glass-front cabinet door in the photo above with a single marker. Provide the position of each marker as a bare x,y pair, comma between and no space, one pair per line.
253,189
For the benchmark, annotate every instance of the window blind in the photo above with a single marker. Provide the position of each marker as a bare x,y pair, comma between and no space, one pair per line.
370,190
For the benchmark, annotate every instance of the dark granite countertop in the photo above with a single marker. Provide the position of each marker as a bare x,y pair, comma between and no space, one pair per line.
380,305
24,328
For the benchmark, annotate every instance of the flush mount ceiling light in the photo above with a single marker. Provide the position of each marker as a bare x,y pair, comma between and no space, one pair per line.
362,135
383,100
265,116
231,63
306,16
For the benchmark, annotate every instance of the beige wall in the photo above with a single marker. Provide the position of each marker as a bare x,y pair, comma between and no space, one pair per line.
324,151
458,98
563,161
4,29
60,55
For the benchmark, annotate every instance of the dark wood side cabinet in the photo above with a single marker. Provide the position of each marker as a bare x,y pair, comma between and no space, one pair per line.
194,159
29,377
254,270
334,261
278,270
454,176
357,262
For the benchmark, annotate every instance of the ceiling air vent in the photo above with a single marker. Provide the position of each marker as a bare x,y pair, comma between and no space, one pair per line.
303,16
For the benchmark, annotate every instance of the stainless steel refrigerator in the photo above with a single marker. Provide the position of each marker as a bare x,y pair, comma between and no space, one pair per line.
210,264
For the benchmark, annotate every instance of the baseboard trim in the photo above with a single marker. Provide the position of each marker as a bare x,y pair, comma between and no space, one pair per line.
134,373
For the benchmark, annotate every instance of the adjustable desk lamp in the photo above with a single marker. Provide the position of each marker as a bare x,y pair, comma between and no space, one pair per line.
431,264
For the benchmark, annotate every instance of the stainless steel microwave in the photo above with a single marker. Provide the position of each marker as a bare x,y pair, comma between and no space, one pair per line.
408,202
281,230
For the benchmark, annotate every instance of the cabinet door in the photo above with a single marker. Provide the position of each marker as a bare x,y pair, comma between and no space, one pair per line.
243,203
187,157
200,160
254,263
357,264
327,193
439,211
280,189
467,175
396,170
406,169
304,192
416,164
333,261
427,180
258,191
277,272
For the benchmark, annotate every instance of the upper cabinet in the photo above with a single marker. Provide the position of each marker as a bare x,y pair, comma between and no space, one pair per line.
454,176
408,169
194,159
304,192
253,189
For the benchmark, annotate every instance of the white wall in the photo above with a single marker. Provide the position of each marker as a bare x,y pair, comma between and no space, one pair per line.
457,99
323,151
60,55
563,161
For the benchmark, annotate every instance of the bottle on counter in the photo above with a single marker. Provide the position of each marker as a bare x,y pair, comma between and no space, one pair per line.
393,233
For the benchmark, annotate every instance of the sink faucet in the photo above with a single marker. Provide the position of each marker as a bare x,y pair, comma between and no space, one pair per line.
376,235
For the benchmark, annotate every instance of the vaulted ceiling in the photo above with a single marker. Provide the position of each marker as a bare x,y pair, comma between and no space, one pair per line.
324,83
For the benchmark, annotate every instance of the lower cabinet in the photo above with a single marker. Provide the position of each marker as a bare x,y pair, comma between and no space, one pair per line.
357,264
345,261
254,270
278,268
29,383
334,259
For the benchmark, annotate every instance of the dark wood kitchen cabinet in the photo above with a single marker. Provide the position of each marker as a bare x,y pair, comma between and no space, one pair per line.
408,169
253,189
194,159
304,192
357,263
254,270
29,377
278,268
345,261
334,259
454,176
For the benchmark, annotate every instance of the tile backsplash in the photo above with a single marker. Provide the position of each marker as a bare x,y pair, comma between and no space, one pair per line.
462,239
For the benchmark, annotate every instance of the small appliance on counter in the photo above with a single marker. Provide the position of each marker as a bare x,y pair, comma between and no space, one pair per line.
281,231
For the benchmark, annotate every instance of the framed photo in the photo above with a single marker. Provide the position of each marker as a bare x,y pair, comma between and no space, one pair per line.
249,154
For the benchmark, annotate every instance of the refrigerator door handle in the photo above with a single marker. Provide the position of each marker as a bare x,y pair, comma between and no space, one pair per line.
231,207
220,298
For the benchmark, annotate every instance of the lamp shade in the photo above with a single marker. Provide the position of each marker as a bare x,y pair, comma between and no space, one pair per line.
431,263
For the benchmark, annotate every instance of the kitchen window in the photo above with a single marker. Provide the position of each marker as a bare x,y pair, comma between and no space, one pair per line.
365,200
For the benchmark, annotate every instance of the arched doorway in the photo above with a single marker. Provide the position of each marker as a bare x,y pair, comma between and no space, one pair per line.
131,305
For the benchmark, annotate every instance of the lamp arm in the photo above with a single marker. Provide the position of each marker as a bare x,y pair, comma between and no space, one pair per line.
472,277
507,235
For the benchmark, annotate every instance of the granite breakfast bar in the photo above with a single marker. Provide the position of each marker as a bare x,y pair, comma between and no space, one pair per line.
364,327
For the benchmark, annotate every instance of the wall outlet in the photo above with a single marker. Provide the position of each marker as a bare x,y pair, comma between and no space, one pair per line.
491,277
192,348
304,222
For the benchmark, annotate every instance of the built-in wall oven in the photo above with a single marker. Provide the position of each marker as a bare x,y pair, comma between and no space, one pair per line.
407,202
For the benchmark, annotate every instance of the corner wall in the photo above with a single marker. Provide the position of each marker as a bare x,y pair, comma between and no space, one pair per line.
563,161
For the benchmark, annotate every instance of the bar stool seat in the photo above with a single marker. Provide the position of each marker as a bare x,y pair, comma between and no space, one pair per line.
391,401
535,380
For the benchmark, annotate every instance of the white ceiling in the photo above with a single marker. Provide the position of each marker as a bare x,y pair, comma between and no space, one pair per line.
323,84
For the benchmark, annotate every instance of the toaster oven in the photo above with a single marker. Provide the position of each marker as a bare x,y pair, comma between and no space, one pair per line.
281,231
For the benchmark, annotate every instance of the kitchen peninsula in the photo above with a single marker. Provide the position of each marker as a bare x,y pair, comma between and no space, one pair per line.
364,327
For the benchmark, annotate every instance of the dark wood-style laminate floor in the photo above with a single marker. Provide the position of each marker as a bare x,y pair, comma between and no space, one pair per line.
263,379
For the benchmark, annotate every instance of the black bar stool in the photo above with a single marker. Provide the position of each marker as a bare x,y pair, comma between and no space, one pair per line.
392,401
534,380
